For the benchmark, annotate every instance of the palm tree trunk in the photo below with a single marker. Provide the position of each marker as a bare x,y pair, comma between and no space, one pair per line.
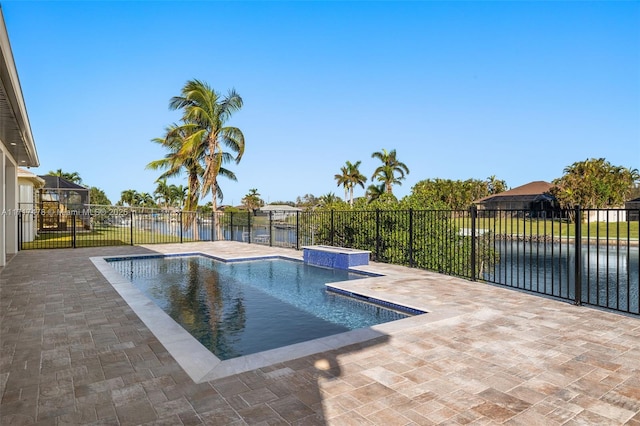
217,226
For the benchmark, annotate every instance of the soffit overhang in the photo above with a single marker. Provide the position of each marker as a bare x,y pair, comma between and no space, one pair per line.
15,130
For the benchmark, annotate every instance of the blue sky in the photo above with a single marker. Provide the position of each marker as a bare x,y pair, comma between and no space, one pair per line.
519,90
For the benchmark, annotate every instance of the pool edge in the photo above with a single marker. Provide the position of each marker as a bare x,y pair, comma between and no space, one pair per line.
198,362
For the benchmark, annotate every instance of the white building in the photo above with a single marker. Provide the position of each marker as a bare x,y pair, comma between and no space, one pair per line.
29,185
280,211
16,145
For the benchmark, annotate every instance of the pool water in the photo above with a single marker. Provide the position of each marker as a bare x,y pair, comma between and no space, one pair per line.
244,307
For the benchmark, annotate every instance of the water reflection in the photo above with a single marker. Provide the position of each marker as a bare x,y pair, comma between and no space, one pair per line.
610,274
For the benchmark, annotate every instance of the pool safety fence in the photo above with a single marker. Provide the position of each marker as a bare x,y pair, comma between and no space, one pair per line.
584,256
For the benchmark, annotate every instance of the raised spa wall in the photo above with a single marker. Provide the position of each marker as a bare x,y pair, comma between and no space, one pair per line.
334,257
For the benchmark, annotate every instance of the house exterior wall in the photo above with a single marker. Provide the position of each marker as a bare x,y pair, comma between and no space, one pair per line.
8,205
3,207
607,215
16,145
27,203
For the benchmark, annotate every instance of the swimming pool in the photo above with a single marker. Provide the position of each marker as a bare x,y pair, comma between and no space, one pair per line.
244,307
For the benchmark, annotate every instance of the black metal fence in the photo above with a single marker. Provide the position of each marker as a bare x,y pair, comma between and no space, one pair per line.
593,260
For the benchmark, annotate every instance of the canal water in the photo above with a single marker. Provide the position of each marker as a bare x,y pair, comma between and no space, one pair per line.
610,273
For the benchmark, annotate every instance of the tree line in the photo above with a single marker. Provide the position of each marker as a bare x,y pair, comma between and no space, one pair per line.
202,146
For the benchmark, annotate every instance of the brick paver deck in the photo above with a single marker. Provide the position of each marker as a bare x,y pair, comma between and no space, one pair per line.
72,352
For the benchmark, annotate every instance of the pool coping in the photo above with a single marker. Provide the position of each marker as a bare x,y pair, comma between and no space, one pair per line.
202,365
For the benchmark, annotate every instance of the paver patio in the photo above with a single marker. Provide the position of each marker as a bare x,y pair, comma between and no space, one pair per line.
73,352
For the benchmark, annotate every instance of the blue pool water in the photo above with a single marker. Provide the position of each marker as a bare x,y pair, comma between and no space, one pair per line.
244,307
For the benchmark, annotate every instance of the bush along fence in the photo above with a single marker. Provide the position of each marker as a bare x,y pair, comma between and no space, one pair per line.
583,256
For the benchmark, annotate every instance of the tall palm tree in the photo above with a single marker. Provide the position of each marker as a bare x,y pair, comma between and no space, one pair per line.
349,177
391,172
343,179
355,178
205,113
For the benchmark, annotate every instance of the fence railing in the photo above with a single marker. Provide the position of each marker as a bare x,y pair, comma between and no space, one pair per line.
593,261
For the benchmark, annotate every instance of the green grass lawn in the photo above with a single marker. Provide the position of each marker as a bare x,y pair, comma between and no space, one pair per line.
518,226
100,236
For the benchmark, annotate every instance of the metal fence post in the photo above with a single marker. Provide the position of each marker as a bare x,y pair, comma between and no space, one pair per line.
270,228
181,225
332,229
297,229
578,257
249,227
19,230
411,262
73,229
377,234
131,225
474,215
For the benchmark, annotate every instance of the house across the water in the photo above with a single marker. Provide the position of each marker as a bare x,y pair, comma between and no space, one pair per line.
534,196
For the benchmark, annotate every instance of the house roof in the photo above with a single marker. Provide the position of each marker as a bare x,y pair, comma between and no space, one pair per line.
279,208
56,182
26,174
529,191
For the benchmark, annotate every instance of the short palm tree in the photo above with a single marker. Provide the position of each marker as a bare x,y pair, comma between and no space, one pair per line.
162,192
128,196
252,200
391,172
144,199
71,177
328,199
375,191
177,160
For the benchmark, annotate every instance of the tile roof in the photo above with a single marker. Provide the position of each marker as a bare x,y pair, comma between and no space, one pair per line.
529,190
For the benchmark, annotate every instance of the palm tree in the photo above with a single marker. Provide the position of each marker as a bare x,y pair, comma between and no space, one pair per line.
162,191
252,200
176,160
343,179
349,177
178,195
144,199
328,199
374,192
128,196
386,173
355,178
205,113
71,177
